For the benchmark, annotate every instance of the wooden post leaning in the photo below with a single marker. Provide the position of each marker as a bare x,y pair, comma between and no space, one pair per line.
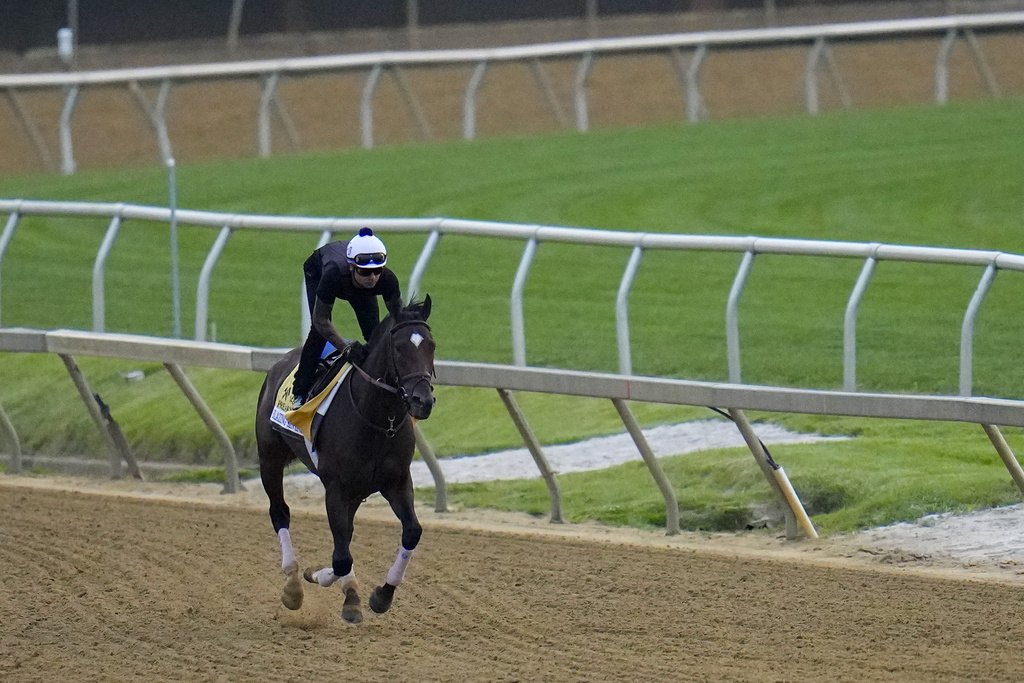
1006,454
94,411
796,516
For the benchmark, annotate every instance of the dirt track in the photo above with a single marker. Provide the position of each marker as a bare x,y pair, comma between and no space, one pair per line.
116,588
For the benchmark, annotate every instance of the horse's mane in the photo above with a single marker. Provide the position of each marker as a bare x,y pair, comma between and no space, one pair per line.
416,310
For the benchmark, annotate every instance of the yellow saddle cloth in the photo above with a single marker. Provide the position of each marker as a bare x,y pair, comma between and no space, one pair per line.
303,418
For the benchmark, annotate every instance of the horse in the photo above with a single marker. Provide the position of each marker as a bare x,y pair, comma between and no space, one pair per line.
364,445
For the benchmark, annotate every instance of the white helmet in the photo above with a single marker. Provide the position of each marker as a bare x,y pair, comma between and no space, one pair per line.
366,250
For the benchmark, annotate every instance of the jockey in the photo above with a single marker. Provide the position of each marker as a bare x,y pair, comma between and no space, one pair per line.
353,271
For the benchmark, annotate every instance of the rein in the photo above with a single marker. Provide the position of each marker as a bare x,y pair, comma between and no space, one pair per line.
399,391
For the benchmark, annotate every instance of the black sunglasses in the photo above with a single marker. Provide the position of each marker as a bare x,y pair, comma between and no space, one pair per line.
367,272
376,259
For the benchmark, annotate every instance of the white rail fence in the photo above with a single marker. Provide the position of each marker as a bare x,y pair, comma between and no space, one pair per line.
817,39
506,379
532,236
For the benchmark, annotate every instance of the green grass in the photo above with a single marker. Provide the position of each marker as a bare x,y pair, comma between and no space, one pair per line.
206,475
893,472
944,176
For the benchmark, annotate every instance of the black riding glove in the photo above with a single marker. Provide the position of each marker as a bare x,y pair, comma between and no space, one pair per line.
356,353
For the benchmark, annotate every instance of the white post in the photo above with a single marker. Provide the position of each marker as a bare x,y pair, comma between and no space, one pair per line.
172,203
580,92
67,164
234,23
518,285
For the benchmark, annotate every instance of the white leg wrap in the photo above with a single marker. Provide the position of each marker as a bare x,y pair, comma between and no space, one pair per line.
288,561
397,572
325,577
349,580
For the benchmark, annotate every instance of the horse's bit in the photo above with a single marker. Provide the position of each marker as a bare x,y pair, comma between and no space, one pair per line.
400,389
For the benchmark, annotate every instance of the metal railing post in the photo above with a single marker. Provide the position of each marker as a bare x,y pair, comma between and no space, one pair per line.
695,109
427,453
304,316
653,466
982,65
409,95
157,115
732,326
811,76
967,330
580,91
99,305
234,23
421,265
544,83
203,287
366,105
518,326
67,154
533,445
850,325
31,130
12,436
267,94
622,311
5,241
942,67
469,101
163,96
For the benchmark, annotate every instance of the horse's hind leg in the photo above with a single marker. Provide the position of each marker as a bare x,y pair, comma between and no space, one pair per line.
402,504
272,474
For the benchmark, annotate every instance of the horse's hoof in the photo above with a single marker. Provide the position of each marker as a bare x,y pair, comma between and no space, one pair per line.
351,612
307,574
381,597
291,596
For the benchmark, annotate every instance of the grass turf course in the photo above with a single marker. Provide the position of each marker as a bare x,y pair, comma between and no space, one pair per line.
944,176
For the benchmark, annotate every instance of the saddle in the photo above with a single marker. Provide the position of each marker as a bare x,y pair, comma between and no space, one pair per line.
327,368
304,421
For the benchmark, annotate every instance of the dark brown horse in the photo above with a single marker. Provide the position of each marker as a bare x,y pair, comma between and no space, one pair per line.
364,445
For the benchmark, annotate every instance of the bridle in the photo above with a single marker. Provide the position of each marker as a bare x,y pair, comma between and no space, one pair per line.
392,370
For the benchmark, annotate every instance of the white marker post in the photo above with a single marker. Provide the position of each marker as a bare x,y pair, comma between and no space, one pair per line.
66,45
172,203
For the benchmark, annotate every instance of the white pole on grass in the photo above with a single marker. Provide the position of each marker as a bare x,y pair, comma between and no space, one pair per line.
172,203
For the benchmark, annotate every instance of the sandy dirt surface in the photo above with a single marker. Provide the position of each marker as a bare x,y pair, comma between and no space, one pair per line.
124,580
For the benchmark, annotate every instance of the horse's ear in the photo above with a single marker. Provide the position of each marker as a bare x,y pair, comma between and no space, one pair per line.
426,307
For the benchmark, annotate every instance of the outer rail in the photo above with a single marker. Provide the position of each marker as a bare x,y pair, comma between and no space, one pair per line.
601,46
269,74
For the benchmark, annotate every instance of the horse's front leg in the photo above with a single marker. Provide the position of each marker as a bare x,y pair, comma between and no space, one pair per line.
401,500
341,514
